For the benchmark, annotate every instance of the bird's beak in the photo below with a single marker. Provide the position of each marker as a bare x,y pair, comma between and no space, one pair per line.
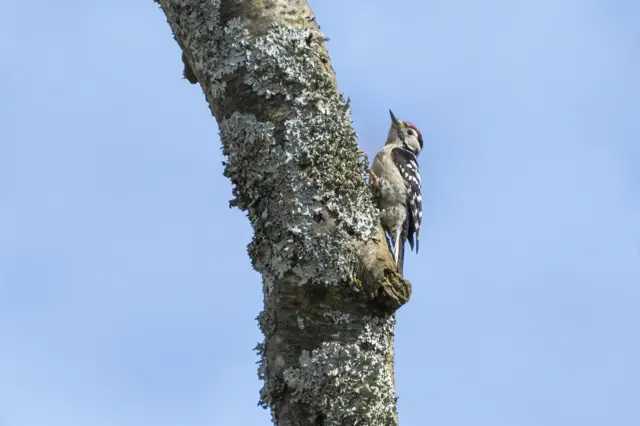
394,120
396,124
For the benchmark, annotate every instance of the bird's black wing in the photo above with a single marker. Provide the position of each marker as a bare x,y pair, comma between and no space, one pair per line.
407,164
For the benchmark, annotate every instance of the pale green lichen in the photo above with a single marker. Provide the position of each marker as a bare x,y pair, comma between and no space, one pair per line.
338,317
284,185
197,26
298,176
230,53
345,383
290,59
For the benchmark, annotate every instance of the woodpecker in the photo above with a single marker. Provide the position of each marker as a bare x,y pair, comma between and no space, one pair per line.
395,179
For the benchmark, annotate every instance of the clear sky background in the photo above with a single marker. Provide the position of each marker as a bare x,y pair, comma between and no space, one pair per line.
126,294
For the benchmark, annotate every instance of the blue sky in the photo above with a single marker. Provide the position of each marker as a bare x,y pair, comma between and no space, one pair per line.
126,294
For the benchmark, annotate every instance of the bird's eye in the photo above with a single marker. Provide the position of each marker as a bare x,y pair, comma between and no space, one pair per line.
410,132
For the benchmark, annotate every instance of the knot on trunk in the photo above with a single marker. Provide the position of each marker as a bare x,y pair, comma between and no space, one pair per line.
379,276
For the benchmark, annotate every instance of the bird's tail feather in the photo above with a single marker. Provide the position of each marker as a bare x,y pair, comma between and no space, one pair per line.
389,241
400,249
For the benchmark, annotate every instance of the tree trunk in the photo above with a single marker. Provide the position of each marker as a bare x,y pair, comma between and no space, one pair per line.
329,282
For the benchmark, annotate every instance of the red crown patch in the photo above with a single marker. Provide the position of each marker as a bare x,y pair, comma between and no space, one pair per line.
414,128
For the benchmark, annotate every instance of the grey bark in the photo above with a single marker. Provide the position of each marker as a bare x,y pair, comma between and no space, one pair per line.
329,282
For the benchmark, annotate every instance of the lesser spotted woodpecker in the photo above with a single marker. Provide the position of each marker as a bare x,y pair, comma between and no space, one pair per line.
395,179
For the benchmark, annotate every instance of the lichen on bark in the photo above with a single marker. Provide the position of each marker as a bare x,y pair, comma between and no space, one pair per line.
330,286
347,383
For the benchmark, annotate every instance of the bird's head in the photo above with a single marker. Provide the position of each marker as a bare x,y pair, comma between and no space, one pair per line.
405,134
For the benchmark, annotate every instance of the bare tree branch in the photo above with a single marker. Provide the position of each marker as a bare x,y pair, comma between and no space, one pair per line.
330,284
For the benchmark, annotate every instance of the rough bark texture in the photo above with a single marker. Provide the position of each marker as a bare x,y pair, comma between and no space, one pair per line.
330,285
